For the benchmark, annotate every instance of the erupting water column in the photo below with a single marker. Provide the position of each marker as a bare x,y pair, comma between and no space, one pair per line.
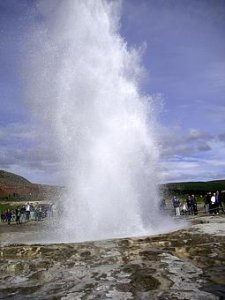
84,85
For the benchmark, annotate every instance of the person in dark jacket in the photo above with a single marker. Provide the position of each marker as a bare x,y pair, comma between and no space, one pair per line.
207,201
18,214
194,204
8,216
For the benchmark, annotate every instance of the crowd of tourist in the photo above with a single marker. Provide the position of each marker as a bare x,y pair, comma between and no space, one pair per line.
27,212
214,203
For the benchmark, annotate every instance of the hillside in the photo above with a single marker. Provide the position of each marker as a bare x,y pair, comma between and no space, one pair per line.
13,187
7,178
199,187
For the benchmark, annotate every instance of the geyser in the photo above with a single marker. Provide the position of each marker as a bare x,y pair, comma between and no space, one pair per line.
83,83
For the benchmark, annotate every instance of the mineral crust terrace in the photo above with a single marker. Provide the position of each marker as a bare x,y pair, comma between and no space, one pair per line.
186,264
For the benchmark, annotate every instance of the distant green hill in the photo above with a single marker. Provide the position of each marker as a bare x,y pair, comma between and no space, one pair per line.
199,187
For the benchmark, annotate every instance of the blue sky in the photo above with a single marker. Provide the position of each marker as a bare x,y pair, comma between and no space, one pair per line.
183,53
185,59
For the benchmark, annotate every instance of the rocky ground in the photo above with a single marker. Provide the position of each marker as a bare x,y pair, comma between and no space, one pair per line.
185,264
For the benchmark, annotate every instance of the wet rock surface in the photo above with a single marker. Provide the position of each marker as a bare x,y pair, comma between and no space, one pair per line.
186,264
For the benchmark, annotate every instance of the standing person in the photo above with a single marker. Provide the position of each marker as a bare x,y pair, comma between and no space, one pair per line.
188,201
194,204
222,197
213,204
184,209
18,215
162,204
207,200
219,202
22,214
27,208
176,205
8,216
40,213
36,211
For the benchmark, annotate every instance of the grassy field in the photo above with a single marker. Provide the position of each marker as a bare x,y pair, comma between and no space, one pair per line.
5,206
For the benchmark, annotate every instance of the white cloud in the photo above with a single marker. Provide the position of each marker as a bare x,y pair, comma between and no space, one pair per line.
25,150
194,156
198,170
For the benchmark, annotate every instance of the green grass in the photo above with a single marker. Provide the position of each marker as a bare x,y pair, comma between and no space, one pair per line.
4,207
11,206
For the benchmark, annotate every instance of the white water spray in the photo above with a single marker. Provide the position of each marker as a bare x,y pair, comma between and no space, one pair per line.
83,82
